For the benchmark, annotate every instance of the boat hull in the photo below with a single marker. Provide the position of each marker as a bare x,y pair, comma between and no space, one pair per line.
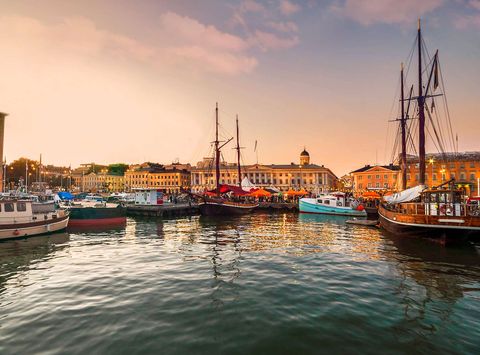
91,216
214,208
451,227
23,230
308,207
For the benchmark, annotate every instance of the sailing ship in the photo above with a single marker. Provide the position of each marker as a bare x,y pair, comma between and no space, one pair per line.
440,211
219,204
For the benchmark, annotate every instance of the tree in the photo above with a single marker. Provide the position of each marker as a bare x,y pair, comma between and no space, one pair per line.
117,169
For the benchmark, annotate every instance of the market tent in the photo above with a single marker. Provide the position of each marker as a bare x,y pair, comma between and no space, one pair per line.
296,193
370,194
65,195
260,193
247,185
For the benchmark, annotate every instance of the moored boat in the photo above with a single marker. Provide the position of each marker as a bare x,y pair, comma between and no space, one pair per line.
90,213
219,204
439,211
23,218
336,203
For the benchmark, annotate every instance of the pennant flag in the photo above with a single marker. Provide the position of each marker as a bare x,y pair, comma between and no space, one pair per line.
255,149
432,105
435,74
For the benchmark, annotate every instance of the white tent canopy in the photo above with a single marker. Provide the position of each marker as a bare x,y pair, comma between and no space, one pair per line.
247,185
405,195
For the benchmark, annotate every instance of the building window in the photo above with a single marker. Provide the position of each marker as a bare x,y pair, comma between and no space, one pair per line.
377,184
472,176
385,185
369,184
377,177
385,176
369,176
360,186
462,176
360,177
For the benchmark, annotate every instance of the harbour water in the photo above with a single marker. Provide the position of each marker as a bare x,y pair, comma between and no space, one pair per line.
260,283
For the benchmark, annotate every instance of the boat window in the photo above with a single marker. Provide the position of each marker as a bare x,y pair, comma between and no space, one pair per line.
319,201
9,207
327,202
21,206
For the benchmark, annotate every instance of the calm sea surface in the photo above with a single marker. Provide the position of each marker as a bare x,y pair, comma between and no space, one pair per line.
258,284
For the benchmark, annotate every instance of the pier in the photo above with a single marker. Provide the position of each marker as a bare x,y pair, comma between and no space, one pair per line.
166,210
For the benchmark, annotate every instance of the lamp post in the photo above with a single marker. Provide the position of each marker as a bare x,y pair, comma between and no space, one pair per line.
431,161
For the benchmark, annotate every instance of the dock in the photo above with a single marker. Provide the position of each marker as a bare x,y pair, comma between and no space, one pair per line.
165,210
278,206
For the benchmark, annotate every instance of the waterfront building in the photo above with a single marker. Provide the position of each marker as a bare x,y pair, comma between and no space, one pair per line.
376,177
168,179
464,167
311,177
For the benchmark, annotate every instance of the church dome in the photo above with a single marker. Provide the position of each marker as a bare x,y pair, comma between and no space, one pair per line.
304,154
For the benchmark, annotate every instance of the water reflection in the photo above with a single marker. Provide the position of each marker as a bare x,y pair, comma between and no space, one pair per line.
17,255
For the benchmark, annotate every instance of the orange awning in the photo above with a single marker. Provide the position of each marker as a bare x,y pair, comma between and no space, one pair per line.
260,193
370,194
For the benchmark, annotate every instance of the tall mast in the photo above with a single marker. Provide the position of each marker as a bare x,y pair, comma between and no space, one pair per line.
217,152
403,123
421,111
238,158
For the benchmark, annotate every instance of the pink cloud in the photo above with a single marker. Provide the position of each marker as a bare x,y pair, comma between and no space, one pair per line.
267,40
280,26
385,11
251,6
288,8
467,21
186,29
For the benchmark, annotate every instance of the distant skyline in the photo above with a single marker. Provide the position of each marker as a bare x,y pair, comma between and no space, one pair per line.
121,81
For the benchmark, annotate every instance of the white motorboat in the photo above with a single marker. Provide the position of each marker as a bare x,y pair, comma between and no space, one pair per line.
24,218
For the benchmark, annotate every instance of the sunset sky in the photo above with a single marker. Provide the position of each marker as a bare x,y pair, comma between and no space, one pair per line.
132,81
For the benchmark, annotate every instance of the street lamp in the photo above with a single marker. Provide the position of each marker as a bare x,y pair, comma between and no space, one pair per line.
431,161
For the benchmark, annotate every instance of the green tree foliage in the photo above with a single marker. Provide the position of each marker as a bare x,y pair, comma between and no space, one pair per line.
117,169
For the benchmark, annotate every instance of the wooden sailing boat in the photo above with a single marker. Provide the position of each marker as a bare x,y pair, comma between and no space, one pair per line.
437,211
220,205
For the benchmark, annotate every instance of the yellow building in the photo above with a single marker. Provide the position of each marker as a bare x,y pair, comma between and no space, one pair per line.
148,175
307,176
98,182
377,177
463,167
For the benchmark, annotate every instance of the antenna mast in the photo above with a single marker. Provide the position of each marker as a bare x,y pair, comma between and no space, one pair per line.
403,123
238,158
421,111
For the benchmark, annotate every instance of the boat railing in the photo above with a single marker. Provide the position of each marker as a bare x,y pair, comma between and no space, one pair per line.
436,209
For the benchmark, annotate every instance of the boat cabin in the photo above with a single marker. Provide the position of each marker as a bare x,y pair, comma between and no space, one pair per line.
336,199
151,197
442,202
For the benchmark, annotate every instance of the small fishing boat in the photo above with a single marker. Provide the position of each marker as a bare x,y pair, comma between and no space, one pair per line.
336,203
24,218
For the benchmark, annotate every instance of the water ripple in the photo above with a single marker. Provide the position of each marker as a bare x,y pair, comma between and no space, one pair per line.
262,283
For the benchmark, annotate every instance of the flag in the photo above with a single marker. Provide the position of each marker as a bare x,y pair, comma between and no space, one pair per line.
432,105
255,149
435,74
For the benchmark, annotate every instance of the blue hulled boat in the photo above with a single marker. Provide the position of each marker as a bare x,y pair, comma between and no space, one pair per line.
335,203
